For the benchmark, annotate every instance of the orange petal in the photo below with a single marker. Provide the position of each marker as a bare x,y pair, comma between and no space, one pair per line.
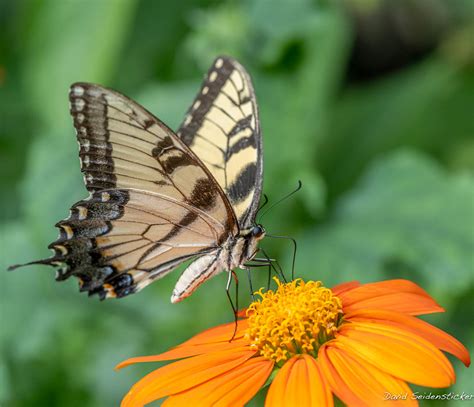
436,336
213,339
220,333
393,295
184,352
183,374
301,383
337,385
397,352
343,287
358,383
233,388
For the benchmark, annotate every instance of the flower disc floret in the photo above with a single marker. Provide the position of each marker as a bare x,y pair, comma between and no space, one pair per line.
297,318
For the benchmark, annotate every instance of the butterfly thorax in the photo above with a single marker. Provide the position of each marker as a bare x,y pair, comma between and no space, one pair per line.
243,248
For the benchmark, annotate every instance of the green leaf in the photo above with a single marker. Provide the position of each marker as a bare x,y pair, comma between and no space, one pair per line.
407,217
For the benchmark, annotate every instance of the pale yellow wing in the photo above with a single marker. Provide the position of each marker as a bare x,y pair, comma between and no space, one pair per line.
222,127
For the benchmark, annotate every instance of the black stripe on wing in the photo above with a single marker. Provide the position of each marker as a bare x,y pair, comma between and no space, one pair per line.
95,150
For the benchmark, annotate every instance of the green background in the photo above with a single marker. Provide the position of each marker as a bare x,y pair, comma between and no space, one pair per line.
368,102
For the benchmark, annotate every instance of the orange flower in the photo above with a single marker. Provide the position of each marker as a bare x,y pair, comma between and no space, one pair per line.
359,342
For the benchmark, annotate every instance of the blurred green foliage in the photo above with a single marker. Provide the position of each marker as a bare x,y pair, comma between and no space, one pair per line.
369,103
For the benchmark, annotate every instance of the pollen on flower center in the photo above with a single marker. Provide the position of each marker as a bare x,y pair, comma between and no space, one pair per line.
297,318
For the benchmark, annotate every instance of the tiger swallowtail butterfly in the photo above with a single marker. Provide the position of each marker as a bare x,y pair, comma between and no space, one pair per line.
159,198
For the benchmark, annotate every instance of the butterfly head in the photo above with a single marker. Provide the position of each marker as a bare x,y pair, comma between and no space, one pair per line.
258,232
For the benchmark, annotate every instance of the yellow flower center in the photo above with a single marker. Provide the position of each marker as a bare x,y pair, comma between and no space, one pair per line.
297,318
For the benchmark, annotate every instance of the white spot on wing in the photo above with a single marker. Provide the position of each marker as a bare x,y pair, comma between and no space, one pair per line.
105,196
77,90
213,76
86,145
219,63
196,104
187,120
205,89
79,104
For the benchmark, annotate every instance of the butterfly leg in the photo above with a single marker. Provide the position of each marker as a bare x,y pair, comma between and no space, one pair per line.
235,308
275,265
272,264
269,277
247,267
279,271
249,277
264,262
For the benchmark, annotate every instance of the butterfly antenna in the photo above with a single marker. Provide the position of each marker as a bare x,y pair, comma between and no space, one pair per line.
265,198
295,248
300,184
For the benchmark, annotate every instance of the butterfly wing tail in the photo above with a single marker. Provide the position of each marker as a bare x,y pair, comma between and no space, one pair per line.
48,262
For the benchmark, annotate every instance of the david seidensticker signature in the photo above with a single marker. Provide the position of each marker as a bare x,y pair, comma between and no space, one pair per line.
429,396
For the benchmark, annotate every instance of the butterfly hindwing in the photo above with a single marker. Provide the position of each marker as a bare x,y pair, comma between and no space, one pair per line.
118,241
223,129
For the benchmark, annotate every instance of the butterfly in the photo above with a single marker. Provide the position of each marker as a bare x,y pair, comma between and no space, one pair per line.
159,198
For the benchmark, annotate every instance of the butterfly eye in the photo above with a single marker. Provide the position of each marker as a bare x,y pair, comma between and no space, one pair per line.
258,231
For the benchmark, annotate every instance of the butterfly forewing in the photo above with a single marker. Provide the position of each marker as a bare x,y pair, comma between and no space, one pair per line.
124,146
223,129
